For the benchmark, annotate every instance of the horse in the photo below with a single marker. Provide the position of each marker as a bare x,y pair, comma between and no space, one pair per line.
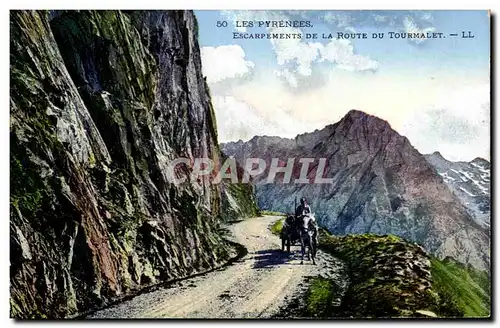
308,237
288,233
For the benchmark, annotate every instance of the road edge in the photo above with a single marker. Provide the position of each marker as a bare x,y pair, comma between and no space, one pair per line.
241,251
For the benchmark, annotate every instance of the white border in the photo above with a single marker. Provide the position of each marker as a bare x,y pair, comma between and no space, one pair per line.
253,4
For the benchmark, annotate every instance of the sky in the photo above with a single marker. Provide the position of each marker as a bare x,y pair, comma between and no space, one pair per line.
436,92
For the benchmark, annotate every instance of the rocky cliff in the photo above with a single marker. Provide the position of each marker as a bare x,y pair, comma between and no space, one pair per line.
381,184
469,181
101,101
238,199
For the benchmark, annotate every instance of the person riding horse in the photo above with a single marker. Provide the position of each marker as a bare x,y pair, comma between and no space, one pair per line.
301,210
305,223
290,232
302,227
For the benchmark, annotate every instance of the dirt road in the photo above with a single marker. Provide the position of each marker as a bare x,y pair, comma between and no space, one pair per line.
258,285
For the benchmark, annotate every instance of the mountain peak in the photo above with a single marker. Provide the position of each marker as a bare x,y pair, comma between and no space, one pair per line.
358,117
354,113
438,155
481,161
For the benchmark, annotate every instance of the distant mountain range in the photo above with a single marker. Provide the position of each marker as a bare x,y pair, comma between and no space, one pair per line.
381,184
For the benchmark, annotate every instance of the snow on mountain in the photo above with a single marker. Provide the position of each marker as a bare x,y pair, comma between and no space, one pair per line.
470,181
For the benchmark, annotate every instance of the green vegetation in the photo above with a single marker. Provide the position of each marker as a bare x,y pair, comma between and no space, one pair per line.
320,300
464,286
131,74
277,226
28,190
319,297
389,278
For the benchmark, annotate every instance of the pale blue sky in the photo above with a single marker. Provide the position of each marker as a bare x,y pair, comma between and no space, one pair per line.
402,81
455,53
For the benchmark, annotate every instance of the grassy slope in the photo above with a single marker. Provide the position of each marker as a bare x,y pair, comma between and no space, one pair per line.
319,297
457,290
389,277
467,287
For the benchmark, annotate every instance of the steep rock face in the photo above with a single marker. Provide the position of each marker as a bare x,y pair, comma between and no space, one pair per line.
238,202
469,181
100,103
238,199
381,184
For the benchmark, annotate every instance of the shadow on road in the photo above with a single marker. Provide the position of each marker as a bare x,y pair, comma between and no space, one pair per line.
274,257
